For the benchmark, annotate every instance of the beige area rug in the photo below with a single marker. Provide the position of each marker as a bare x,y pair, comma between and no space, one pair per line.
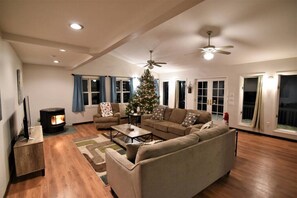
93,149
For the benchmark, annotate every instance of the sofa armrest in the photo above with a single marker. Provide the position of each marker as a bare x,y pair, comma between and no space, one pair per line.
145,116
117,158
98,115
117,114
120,174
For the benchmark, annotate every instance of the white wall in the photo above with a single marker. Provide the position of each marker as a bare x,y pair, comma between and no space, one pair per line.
53,86
232,74
12,112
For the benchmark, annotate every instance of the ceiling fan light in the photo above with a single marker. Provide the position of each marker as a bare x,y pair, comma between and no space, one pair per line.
208,55
151,67
76,26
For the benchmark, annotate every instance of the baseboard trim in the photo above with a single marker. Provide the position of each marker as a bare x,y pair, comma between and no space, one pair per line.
263,134
78,123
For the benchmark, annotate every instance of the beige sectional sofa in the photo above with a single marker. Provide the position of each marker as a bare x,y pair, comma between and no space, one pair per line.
171,126
179,168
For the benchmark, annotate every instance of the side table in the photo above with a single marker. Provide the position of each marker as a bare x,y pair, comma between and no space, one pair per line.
134,118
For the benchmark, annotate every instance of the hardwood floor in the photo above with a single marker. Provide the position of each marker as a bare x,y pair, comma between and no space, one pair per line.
265,167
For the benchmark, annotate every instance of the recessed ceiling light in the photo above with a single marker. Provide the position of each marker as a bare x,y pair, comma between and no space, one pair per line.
56,61
76,26
62,50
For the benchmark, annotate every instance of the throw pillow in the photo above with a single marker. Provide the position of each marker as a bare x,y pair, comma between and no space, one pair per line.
190,119
207,125
106,110
158,113
132,149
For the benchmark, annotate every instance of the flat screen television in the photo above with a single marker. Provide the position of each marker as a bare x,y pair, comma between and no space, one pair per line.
27,117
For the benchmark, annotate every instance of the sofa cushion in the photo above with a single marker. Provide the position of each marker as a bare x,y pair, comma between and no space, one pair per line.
162,126
169,146
158,113
178,115
122,109
105,119
177,129
211,132
190,119
149,122
167,113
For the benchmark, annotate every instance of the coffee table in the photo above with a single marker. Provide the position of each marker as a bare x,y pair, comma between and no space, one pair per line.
137,133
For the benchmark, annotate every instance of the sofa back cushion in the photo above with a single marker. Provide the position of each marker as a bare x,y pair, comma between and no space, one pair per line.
178,115
167,113
203,118
163,148
122,109
211,132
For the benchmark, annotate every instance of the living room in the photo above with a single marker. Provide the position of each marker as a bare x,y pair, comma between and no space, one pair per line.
49,85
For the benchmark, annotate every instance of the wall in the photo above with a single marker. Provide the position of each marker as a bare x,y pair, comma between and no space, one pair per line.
233,76
12,112
49,86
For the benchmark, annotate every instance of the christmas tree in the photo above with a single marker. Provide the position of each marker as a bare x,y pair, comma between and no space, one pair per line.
145,97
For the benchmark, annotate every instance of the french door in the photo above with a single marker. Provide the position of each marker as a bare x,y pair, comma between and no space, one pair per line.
211,97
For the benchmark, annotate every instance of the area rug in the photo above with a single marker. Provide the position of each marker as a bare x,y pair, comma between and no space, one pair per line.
93,149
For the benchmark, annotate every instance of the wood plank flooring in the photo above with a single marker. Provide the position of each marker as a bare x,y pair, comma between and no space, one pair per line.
265,167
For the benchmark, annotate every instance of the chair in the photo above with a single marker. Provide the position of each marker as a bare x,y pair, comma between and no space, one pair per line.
106,122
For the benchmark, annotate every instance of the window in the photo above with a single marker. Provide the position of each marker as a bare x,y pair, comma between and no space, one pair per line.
250,86
165,93
181,94
123,91
91,93
287,107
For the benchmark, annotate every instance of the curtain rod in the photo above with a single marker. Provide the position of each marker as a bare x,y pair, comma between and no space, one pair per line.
100,75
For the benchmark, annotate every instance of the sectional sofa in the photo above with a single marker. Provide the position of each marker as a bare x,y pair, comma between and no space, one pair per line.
171,124
179,168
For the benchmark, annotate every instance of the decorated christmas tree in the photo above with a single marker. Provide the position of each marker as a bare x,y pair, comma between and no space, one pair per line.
145,98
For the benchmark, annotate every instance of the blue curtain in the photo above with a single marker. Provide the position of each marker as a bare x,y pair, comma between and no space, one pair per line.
131,87
102,89
113,89
78,99
156,83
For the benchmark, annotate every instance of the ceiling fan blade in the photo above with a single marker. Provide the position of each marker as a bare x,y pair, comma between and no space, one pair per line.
224,47
160,63
223,52
146,65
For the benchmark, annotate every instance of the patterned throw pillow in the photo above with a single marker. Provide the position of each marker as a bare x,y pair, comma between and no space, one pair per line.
106,110
207,125
158,113
190,119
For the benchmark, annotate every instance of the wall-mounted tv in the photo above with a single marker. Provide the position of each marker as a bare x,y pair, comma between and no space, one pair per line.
27,117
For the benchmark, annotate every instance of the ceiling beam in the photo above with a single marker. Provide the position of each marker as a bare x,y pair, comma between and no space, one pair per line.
185,5
14,38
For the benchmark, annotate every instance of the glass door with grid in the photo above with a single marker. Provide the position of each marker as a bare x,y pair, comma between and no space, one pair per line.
211,97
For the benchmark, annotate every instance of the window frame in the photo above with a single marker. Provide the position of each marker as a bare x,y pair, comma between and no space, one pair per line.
241,92
121,91
276,105
89,90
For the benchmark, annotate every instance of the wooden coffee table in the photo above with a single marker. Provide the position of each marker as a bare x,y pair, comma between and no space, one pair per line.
138,133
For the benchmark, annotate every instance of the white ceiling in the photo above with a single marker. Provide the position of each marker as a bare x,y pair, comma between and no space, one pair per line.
259,30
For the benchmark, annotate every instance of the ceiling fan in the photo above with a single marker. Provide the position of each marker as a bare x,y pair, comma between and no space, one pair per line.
151,63
209,50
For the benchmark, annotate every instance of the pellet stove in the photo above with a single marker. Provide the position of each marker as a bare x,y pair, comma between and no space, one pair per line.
52,120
